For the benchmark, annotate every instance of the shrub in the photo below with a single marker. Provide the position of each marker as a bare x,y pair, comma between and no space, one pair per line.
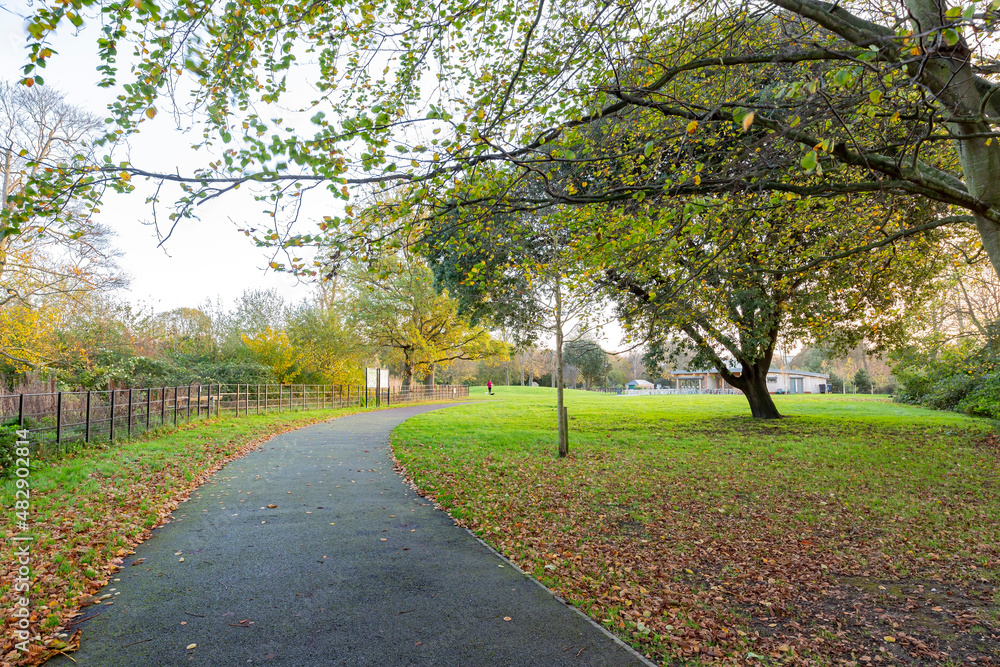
984,399
8,448
964,377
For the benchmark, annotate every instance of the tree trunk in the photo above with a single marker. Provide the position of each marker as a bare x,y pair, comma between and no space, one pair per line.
558,376
761,404
753,383
954,83
407,369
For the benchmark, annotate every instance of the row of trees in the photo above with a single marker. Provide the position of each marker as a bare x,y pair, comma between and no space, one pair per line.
98,342
726,174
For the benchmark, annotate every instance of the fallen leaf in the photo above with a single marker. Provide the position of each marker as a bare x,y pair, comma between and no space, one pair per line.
190,646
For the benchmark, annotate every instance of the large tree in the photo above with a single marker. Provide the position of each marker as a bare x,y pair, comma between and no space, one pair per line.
706,283
394,306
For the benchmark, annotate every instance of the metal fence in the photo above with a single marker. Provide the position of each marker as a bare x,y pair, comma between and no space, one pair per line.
87,416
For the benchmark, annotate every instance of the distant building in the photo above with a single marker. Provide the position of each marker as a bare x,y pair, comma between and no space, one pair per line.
639,384
779,381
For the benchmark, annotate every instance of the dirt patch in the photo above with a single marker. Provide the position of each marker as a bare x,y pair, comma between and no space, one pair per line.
913,622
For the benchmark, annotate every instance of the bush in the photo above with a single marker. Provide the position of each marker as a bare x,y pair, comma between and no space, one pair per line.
963,378
984,399
948,392
8,448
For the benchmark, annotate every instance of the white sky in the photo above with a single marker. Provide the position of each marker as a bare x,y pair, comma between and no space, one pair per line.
204,259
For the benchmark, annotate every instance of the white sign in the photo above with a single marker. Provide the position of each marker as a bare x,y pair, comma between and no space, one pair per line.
377,378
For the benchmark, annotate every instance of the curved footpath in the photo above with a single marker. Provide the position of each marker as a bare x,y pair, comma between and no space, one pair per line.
349,567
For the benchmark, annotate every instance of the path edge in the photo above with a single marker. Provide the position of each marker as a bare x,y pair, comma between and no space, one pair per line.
400,469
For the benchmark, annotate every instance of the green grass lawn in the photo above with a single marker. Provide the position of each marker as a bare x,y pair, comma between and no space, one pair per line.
854,529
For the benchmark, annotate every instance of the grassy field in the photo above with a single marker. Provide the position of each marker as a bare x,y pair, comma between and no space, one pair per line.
854,530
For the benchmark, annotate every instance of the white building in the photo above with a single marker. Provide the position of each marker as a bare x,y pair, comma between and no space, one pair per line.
779,381
639,384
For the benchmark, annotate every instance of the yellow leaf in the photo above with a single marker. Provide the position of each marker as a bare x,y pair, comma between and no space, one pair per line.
697,179
889,638
151,112
747,121
191,646
692,127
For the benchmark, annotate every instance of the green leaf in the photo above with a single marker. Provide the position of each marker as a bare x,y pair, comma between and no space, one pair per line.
649,148
809,161
875,96
950,36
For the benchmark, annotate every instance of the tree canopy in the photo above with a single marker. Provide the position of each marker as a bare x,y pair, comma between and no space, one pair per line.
828,98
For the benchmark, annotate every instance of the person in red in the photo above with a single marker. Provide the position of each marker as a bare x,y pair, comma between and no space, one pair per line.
489,387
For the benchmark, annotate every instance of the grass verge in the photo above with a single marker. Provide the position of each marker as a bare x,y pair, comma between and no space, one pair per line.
91,507
853,531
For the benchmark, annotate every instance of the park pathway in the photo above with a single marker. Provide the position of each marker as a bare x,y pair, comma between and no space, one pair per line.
312,551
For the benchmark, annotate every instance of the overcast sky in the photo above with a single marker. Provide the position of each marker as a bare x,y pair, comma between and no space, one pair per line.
204,259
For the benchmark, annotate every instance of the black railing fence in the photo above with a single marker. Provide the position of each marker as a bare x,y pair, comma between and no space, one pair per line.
88,416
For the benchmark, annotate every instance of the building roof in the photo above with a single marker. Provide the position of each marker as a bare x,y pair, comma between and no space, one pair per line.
641,383
733,369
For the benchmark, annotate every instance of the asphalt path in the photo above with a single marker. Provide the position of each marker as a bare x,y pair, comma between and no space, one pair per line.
313,551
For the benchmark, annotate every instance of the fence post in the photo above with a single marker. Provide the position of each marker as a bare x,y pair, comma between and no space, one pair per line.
189,404
86,428
218,402
129,429
163,406
111,427
175,405
256,399
198,411
58,418
20,411
149,403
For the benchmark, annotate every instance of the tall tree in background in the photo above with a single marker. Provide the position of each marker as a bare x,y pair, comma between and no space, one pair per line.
331,351
396,307
587,355
45,262
522,273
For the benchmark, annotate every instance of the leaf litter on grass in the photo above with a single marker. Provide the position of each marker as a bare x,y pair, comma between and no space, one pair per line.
743,552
